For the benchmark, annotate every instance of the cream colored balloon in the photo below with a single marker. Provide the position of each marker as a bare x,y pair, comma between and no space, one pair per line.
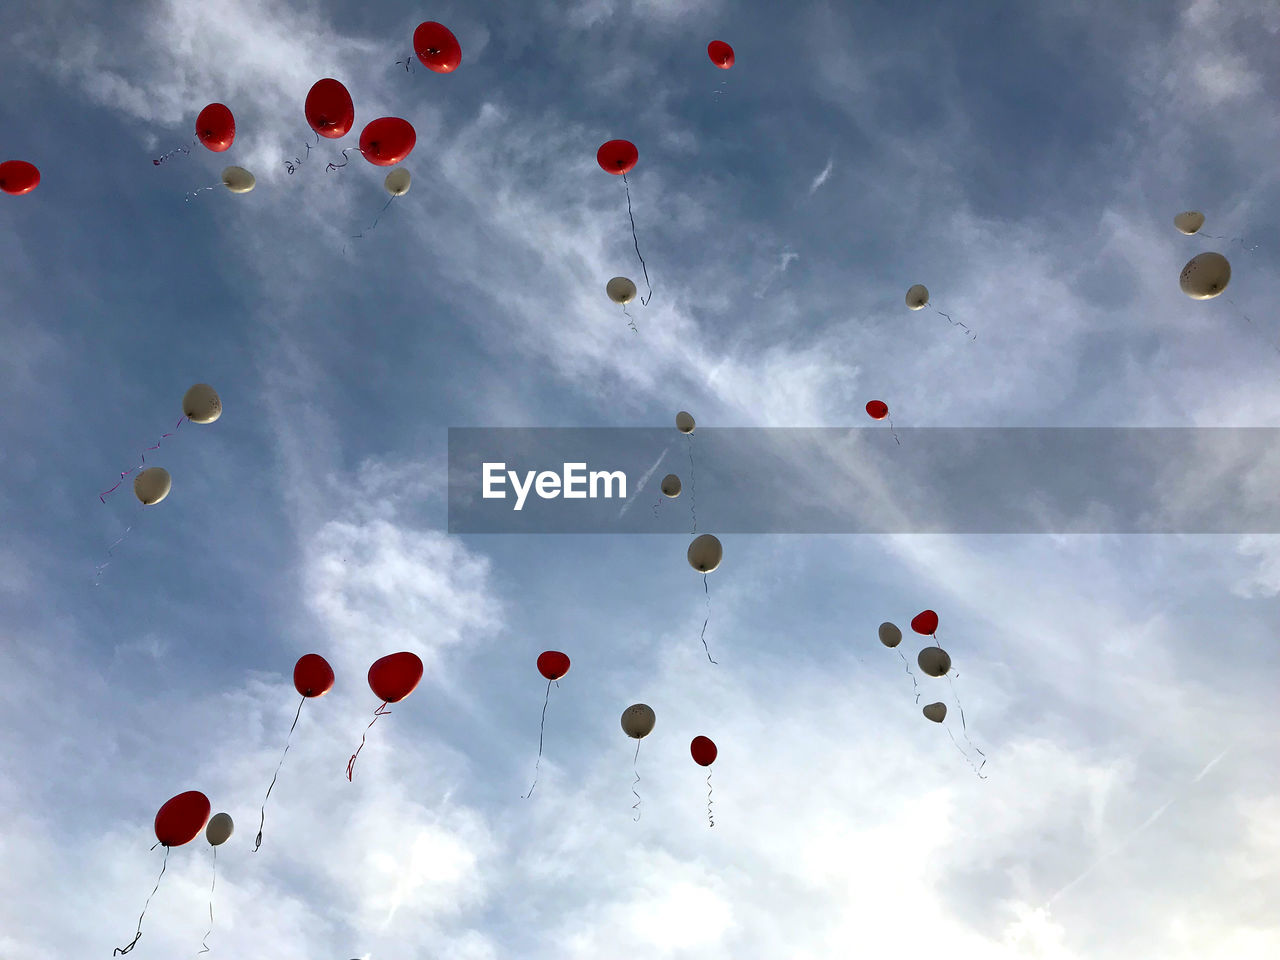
238,179
219,829
152,485
201,404
705,553
671,486
638,721
890,635
917,296
1205,276
934,661
684,422
397,182
937,712
620,290
1189,221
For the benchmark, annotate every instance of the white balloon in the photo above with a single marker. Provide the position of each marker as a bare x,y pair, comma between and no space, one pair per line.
890,635
397,182
238,179
937,712
934,661
219,829
671,486
684,422
1205,276
917,296
638,720
1189,221
620,290
705,553
152,485
201,404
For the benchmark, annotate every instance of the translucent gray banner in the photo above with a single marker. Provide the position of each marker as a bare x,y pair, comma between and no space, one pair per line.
863,480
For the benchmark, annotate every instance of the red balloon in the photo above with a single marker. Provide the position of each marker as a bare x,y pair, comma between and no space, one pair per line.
877,409
18,177
437,47
182,818
617,156
387,140
216,127
312,675
329,109
721,54
394,677
925,622
703,750
553,664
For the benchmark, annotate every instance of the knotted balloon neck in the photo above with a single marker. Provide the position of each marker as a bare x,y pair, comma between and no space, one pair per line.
382,711
120,951
262,817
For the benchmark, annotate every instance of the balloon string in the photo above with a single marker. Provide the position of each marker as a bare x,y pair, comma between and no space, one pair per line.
972,336
707,590
655,507
1254,325
382,711
693,487
164,157
964,729
196,193
110,550
408,64
296,162
262,818
635,762
204,941
143,462
914,685
1239,240
375,219
630,322
643,300
541,729
345,158
710,822
895,432
119,951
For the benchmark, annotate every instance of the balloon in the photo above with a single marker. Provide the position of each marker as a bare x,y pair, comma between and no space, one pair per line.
328,109
684,422
216,127
437,47
219,830
397,182
703,750
201,404
1189,221
18,177
671,486
182,818
312,675
877,409
617,156
553,664
387,141
1205,276
890,635
638,720
620,290
238,179
721,54
934,661
705,553
394,677
917,296
152,485
936,712
925,622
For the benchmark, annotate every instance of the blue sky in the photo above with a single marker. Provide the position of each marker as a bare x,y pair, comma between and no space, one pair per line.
1024,162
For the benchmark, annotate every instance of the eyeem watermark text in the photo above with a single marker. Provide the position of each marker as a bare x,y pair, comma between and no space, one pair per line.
572,483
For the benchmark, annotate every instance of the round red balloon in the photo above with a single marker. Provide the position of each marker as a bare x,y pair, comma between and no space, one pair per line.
721,54
437,47
394,677
312,675
925,622
18,177
181,819
387,141
703,750
877,409
216,127
553,664
617,156
329,109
